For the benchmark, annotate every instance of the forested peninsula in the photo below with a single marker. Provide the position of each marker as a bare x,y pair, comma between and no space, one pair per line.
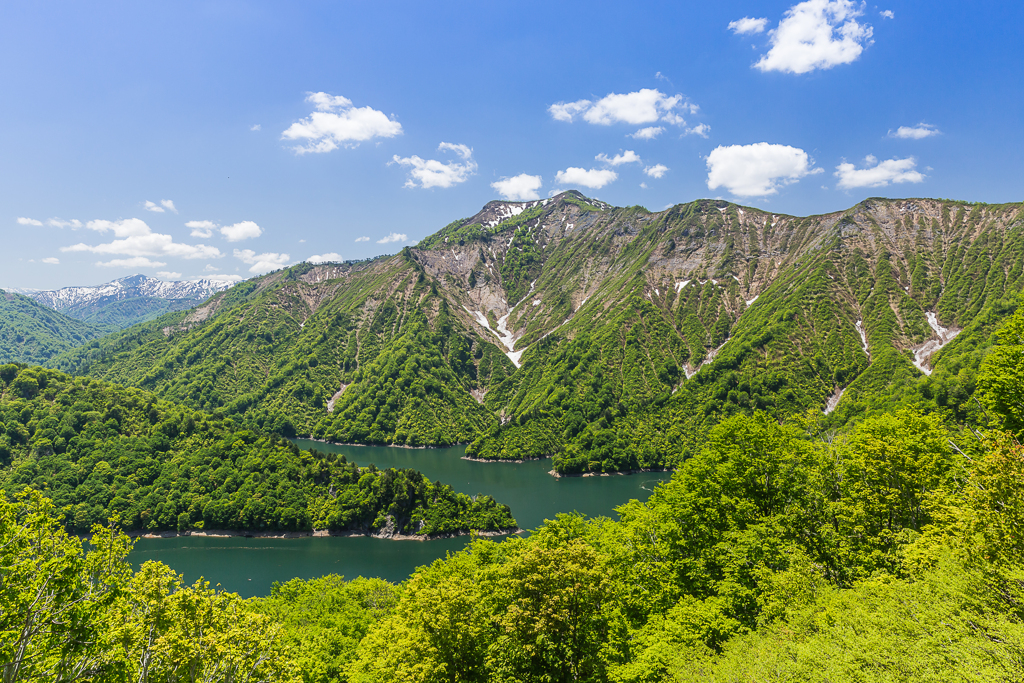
100,451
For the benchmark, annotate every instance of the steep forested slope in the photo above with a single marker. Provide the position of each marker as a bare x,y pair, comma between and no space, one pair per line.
31,333
101,451
611,338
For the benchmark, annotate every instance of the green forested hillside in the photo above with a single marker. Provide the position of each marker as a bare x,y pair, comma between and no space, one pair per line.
31,333
777,552
609,338
99,450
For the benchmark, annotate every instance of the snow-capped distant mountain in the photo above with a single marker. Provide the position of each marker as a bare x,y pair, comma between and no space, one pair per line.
128,300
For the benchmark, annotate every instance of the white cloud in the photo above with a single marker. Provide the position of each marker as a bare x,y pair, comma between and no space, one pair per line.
168,204
324,258
429,173
255,127
565,111
701,129
643,185
921,130
656,171
627,157
816,34
29,221
262,263
52,260
878,174
58,223
155,208
168,275
748,26
521,187
210,268
757,170
393,237
336,122
648,133
139,241
220,278
636,108
134,262
364,238
595,178
203,229
241,231
887,14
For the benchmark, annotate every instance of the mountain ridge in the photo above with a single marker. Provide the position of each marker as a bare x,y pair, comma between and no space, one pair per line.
550,327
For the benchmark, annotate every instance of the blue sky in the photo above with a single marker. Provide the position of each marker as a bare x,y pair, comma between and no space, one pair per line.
224,139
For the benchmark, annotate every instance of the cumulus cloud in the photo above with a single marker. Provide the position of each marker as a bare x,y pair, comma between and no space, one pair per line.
878,174
522,187
155,208
168,204
139,241
255,127
241,231
565,111
595,178
887,14
364,238
336,122
52,260
29,221
220,278
134,262
203,229
627,157
921,130
427,173
757,170
637,108
656,171
168,275
748,26
816,34
262,263
74,223
648,133
393,237
324,258
701,129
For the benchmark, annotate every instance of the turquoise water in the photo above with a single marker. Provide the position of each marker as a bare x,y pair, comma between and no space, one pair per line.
250,566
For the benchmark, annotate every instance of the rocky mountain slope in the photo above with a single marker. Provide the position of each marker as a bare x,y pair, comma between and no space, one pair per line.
610,338
127,301
31,333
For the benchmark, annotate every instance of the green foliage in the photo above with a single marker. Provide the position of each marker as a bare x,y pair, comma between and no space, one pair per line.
1001,380
100,451
73,610
323,620
32,333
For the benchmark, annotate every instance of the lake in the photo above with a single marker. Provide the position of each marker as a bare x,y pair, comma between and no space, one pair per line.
249,566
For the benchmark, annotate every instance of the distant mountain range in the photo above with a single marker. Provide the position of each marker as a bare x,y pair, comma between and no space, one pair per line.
611,338
126,301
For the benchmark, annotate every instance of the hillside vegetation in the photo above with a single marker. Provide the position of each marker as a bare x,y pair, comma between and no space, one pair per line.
100,451
608,338
778,552
31,333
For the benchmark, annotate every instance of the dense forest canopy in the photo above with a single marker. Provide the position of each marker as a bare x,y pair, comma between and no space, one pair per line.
892,550
100,450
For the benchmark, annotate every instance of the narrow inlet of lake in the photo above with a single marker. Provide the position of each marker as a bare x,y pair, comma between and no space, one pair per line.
249,566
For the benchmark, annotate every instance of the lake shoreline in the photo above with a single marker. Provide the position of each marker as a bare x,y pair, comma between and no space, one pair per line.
377,445
320,533
623,473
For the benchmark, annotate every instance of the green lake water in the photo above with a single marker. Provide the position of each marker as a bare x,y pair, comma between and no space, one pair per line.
250,566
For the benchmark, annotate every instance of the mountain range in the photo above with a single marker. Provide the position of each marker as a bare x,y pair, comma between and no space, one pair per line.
611,338
126,301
